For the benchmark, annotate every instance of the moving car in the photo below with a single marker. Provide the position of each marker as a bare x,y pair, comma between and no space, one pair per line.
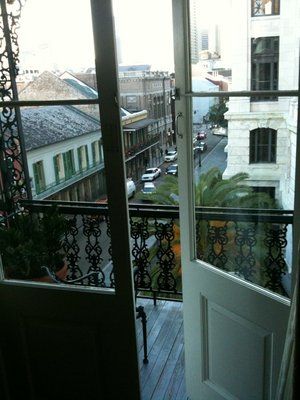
172,170
151,174
171,155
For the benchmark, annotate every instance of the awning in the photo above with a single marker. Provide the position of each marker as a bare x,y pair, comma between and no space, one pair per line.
143,123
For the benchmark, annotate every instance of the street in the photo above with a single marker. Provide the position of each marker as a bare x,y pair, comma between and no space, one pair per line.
213,156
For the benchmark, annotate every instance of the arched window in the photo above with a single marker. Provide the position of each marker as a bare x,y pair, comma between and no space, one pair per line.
263,145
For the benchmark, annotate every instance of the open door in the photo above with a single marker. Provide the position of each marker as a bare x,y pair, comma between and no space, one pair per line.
59,341
234,254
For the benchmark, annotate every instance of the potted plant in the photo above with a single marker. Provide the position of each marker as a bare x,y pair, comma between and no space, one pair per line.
29,243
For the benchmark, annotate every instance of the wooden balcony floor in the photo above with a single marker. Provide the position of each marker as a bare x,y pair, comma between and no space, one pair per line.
163,377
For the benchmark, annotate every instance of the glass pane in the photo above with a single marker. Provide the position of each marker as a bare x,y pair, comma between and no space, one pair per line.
144,35
146,82
244,179
221,50
63,147
265,7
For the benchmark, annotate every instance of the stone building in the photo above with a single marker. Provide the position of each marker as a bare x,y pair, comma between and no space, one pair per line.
142,89
262,131
141,138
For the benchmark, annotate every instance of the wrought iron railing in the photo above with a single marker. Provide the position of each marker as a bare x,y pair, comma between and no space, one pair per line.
61,183
249,243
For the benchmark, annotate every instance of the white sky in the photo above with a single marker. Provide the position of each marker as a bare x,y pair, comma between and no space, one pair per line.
55,33
58,33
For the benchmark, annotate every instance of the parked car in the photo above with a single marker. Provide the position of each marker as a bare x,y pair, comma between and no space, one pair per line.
201,135
131,188
151,174
149,188
172,170
171,155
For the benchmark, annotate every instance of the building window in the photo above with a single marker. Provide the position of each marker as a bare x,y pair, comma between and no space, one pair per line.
58,168
264,65
39,177
83,158
263,145
97,152
270,190
69,165
265,7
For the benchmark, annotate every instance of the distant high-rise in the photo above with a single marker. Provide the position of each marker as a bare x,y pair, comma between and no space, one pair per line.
204,39
194,11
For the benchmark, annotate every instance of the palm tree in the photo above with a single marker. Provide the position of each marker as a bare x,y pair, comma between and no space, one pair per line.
214,191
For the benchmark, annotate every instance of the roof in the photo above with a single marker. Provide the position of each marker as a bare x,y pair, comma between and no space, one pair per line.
134,67
43,126
87,91
139,124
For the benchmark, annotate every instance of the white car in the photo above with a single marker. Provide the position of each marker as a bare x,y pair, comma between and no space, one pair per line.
151,174
130,187
149,188
171,156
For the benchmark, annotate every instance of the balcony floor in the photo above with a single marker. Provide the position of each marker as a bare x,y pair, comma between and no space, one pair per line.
163,377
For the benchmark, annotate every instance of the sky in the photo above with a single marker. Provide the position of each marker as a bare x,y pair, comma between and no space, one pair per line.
55,34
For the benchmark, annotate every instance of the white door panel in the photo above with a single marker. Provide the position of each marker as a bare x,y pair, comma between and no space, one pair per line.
233,341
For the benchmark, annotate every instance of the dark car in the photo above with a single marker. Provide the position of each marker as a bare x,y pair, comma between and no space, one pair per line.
201,135
201,147
172,170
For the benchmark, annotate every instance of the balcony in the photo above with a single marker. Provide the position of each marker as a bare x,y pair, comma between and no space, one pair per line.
251,244
140,147
63,183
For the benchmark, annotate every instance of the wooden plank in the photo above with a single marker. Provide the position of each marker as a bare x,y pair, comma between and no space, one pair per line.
181,394
168,370
163,377
173,386
159,354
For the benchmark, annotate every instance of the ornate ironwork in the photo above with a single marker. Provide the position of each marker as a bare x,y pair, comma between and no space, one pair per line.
251,245
245,239
140,233
274,263
72,249
217,239
164,233
14,173
112,273
92,231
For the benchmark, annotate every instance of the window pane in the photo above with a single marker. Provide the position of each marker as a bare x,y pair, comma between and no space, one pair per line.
239,166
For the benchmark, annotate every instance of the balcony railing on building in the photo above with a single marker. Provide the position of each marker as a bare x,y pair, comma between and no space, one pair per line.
251,244
42,191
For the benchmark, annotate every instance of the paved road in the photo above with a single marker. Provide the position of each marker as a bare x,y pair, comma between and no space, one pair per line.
214,156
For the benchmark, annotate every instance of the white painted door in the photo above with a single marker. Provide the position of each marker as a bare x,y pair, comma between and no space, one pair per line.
234,327
64,342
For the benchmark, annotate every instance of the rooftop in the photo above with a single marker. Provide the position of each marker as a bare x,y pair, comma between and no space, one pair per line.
43,126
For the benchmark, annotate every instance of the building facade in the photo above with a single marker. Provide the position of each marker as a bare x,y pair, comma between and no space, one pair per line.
262,131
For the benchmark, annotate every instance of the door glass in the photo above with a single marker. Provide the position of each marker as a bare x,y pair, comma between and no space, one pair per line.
244,147
62,146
